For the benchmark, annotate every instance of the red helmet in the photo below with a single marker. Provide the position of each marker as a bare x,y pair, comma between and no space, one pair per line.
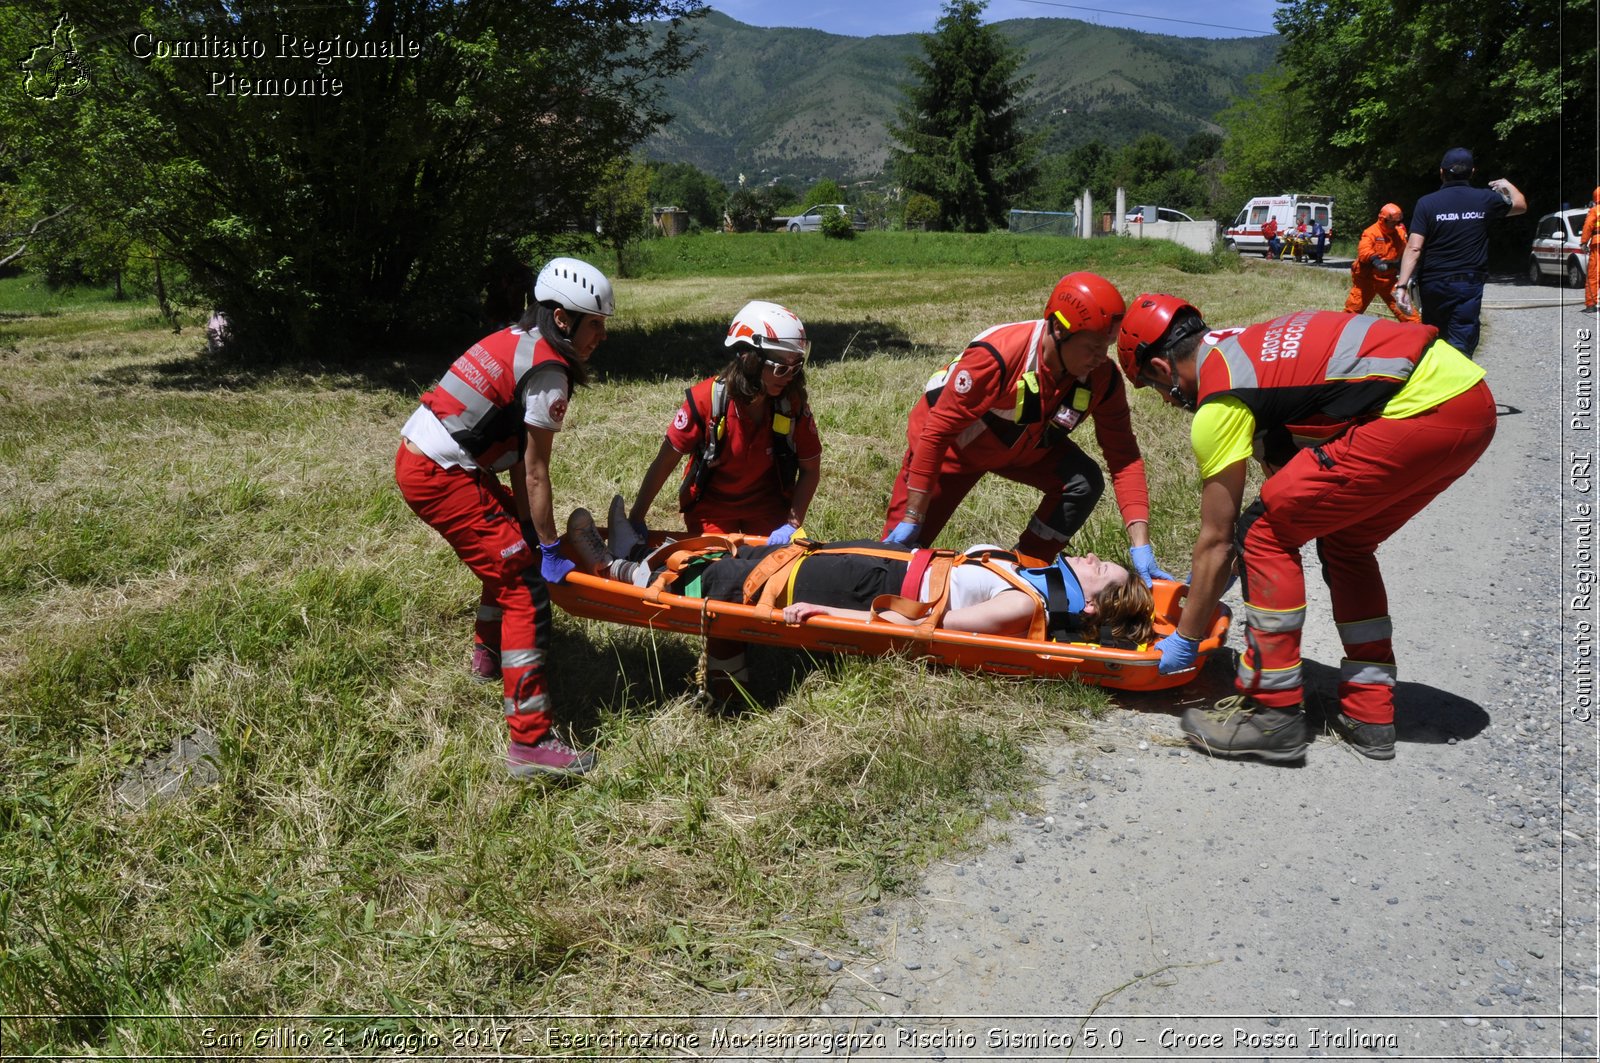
1145,326
1085,302
1391,213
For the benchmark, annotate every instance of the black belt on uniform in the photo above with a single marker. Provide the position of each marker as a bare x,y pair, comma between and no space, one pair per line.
1453,277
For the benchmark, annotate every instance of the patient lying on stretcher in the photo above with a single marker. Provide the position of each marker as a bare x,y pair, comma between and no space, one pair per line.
1080,598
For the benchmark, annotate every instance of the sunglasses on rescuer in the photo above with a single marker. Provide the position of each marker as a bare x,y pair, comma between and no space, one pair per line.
784,369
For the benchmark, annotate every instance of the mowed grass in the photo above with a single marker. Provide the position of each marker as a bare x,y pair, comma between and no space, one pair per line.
194,549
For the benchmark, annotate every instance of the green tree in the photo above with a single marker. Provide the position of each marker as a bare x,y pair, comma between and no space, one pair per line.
1063,178
1386,86
752,209
921,212
621,206
1272,142
958,135
682,184
824,191
353,198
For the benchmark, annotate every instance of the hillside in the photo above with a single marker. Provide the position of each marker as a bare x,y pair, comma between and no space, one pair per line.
802,102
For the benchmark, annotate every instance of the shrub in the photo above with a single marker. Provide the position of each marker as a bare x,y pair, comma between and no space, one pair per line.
922,212
836,224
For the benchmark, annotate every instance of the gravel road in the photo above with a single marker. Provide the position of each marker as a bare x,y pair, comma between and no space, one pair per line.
1160,904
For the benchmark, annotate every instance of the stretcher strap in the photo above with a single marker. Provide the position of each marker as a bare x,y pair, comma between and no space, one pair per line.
671,558
768,580
1038,627
911,586
794,572
908,607
938,589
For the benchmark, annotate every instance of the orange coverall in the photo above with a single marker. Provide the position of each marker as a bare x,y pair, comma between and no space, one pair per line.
1591,242
1378,242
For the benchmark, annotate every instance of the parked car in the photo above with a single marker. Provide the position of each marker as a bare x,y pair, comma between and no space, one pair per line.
811,220
1556,251
1147,214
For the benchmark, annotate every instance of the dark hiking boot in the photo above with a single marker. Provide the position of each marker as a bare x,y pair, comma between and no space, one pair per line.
1238,727
1372,740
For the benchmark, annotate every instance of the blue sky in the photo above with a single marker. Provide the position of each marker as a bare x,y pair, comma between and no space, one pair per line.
863,18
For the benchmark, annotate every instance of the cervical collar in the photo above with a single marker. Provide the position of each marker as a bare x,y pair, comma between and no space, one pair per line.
1063,597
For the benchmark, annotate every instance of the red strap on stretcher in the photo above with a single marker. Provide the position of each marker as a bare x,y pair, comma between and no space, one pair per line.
916,568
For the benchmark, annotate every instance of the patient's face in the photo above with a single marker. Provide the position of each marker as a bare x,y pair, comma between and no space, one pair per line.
1096,575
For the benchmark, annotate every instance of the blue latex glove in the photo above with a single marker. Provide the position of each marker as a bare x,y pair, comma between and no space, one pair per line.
1177,653
553,567
905,533
781,535
1144,562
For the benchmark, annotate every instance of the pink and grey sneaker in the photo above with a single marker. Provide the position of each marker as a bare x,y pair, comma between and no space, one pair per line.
548,756
485,667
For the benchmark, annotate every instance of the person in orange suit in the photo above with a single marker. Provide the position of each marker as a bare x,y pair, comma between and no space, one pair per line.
1591,243
1377,259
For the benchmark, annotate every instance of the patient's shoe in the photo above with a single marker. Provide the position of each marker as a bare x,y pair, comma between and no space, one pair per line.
584,538
624,537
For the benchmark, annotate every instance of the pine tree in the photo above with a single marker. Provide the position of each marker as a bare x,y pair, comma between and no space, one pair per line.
959,135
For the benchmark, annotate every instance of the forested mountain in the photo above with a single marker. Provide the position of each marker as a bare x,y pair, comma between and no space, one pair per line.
810,104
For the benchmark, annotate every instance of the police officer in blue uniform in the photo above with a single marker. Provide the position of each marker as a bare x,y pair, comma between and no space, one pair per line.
1453,224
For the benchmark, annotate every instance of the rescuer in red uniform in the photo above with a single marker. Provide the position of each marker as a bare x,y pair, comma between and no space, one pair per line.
1008,405
499,408
754,454
1359,423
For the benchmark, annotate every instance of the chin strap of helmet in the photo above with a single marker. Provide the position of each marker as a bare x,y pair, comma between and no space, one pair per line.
1190,324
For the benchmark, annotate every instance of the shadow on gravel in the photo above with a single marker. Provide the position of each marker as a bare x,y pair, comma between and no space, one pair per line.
1424,714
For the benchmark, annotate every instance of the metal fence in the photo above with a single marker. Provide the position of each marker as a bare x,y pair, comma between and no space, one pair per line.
1043,222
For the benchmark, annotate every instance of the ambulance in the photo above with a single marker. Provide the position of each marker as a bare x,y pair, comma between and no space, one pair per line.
1289,209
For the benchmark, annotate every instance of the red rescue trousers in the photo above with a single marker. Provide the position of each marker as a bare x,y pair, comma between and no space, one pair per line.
1364,285
475,514
1591,284
1070,479
1349,495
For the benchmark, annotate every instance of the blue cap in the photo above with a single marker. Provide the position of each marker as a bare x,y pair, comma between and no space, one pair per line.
1457,162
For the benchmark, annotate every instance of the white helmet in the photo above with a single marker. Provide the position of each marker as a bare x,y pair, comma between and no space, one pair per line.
768,327
575,285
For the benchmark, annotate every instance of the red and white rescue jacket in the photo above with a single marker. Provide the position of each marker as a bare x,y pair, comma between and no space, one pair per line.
996,398
479,399
1309,376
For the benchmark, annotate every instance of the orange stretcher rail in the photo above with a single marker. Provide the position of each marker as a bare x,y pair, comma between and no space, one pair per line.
596,598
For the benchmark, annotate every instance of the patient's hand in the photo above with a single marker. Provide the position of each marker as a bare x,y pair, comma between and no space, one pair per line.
799,612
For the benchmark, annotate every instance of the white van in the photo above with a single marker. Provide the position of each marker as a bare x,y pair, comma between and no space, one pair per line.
1289,210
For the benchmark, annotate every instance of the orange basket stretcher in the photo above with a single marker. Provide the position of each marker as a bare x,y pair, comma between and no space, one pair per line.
599,598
